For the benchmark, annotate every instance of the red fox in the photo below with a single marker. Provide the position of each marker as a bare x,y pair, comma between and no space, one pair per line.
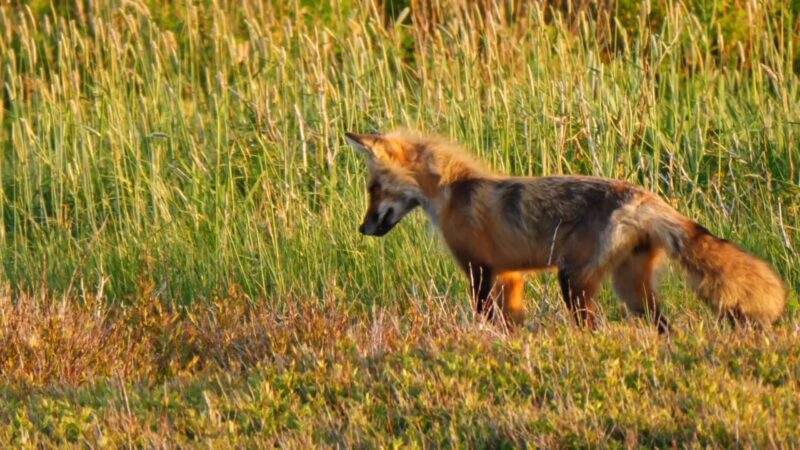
498,227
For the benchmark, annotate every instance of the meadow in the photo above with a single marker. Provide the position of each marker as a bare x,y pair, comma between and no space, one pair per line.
179,260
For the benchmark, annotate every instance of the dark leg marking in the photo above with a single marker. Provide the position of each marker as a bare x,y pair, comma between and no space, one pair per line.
482,279
578,300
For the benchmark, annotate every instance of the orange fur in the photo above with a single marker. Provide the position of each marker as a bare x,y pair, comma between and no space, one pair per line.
586,227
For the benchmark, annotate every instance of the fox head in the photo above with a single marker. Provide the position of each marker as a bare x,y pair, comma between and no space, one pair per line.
393,189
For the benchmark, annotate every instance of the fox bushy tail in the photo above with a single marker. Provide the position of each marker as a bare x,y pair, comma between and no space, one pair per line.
735,283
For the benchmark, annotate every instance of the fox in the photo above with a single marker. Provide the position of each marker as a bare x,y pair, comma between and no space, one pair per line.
498,228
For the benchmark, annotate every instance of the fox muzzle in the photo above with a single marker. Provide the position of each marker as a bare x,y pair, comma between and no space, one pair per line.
378,226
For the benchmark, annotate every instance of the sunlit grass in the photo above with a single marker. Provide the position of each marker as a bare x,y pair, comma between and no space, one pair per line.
161,163
228,373
200,147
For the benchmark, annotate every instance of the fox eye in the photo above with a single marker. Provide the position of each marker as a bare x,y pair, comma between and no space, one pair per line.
374,187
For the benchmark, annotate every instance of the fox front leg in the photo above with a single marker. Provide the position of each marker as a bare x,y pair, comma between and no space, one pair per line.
510,287
481,281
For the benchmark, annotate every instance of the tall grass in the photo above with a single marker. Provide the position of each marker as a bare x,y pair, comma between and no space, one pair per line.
197,147
179,259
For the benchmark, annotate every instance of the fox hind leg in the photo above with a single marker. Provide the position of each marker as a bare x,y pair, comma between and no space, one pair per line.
633,282
578,291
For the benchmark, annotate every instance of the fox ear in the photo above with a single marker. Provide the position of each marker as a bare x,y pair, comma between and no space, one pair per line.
364,143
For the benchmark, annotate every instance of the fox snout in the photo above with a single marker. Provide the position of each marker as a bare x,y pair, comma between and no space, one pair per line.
381,218
375,225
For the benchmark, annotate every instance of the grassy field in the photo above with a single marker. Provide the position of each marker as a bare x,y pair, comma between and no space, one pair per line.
179,255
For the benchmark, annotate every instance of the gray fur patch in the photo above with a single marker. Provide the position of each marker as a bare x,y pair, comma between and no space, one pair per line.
511,201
